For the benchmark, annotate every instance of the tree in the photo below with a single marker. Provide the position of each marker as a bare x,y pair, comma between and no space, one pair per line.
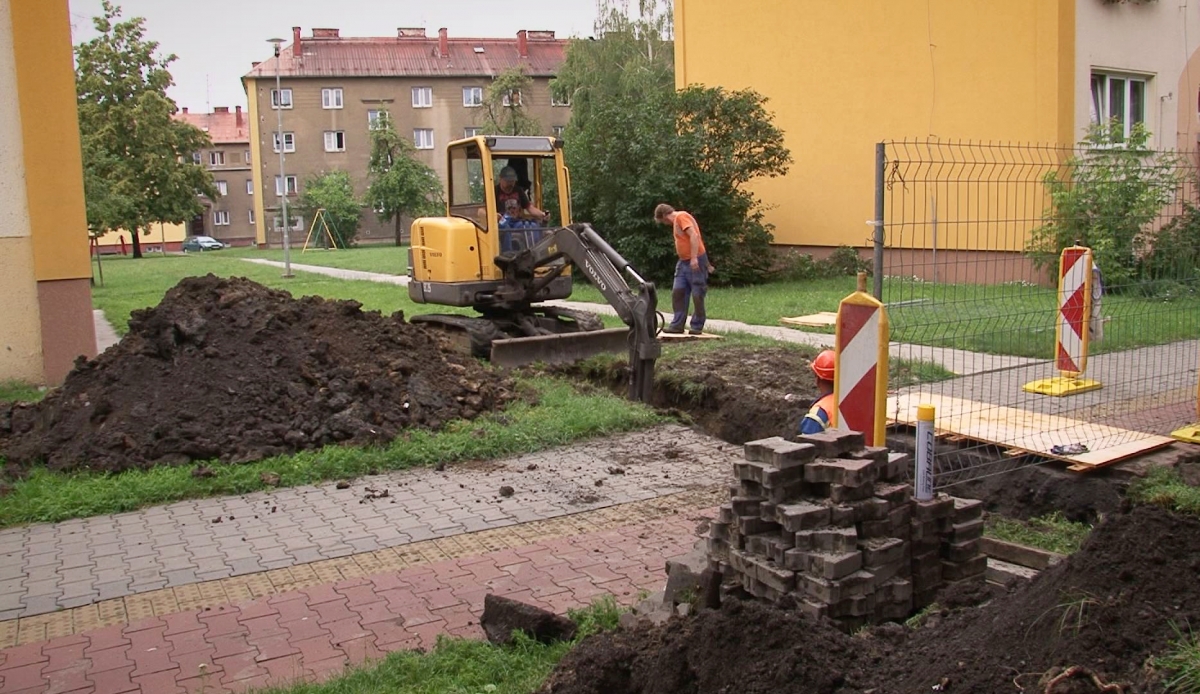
634,141
137,156
503,111
332,192
1106,198
399,183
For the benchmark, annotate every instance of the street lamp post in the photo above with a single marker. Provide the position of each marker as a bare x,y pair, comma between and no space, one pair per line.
278,103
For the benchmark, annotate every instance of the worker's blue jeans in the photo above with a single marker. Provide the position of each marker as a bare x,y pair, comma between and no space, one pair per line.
691,284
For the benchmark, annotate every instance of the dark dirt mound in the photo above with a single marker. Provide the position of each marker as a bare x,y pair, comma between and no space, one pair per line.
735,393
745,647
228,369
1109,608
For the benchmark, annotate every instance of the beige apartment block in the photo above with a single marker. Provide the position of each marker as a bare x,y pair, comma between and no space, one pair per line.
333,89
232,217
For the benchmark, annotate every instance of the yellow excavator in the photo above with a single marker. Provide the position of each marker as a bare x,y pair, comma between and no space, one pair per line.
505,266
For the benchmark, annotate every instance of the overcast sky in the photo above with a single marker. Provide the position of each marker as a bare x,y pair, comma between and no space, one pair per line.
216,40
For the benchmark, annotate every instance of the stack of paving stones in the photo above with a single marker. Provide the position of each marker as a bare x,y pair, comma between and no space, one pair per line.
830,525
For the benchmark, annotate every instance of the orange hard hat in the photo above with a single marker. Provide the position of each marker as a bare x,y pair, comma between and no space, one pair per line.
822,366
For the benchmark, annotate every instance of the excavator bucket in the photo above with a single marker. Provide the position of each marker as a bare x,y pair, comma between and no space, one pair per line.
563,348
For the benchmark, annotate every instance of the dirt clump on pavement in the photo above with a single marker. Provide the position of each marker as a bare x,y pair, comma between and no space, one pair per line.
1106,611
737,394
228,369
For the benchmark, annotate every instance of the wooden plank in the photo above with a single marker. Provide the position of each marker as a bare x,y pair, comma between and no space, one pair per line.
1021,555
1005,574
824,319
1024,430
685,336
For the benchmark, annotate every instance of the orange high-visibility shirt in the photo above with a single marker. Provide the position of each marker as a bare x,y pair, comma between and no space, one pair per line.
683,241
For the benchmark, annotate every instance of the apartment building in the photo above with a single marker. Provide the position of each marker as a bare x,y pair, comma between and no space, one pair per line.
232,217
333,90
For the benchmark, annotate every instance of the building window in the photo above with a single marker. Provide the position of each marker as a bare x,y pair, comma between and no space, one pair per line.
335,140
472,96
376,119
1120,97
556,100
289,142
216,159
222,188
294,221
249,186
331,98
248,159
195,157
291,186
512,98
557,130
472,132
422,97
423,138
221,218
281,96
250,214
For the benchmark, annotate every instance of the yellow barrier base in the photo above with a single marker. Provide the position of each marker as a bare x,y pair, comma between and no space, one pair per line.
1188,434
1061,386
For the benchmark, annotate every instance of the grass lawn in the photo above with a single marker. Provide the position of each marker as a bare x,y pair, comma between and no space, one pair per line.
19,391
460,666
1053,532
997,319
561,416
384,259
132,284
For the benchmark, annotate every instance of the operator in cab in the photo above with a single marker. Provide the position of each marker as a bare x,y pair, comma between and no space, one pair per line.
506,189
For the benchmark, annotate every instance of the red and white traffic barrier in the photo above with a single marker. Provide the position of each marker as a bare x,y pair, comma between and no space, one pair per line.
861,375
1072,324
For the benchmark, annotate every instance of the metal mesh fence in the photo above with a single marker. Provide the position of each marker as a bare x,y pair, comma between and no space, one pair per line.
968,270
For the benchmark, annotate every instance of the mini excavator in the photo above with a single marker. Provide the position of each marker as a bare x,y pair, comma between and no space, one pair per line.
504,265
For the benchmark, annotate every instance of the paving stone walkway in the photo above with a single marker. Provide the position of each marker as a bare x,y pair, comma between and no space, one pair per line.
317,631
48,567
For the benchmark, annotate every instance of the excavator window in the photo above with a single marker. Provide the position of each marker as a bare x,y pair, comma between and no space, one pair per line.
467,196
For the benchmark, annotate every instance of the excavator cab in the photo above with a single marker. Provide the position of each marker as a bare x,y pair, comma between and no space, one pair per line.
507,245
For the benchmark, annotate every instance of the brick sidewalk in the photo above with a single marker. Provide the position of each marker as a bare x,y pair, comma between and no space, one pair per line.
317,631
45,568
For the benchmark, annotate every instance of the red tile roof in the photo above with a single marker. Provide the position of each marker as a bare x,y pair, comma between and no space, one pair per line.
332,56
223,126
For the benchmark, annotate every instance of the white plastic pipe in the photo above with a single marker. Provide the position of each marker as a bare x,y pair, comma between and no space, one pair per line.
924,476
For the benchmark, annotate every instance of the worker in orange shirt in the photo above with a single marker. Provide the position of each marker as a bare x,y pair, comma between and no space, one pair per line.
821,413
691,272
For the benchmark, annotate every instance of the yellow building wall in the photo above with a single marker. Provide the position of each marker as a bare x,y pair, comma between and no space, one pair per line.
159,234
50,129
842,76
256,170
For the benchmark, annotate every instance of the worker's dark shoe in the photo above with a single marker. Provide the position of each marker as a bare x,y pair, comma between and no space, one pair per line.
692,331
673,329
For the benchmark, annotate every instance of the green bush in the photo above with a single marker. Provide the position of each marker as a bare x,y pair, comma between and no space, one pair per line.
1175,252
794,266
1107,198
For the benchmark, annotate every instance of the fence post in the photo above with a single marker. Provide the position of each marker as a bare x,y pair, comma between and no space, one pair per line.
880,172
1072,327
1191,433
860,376
924,472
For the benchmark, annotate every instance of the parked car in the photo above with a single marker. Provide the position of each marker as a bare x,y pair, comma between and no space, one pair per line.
202,243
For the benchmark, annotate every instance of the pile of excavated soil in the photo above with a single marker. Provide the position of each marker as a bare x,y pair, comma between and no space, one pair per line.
734,393
228,369
1110,608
